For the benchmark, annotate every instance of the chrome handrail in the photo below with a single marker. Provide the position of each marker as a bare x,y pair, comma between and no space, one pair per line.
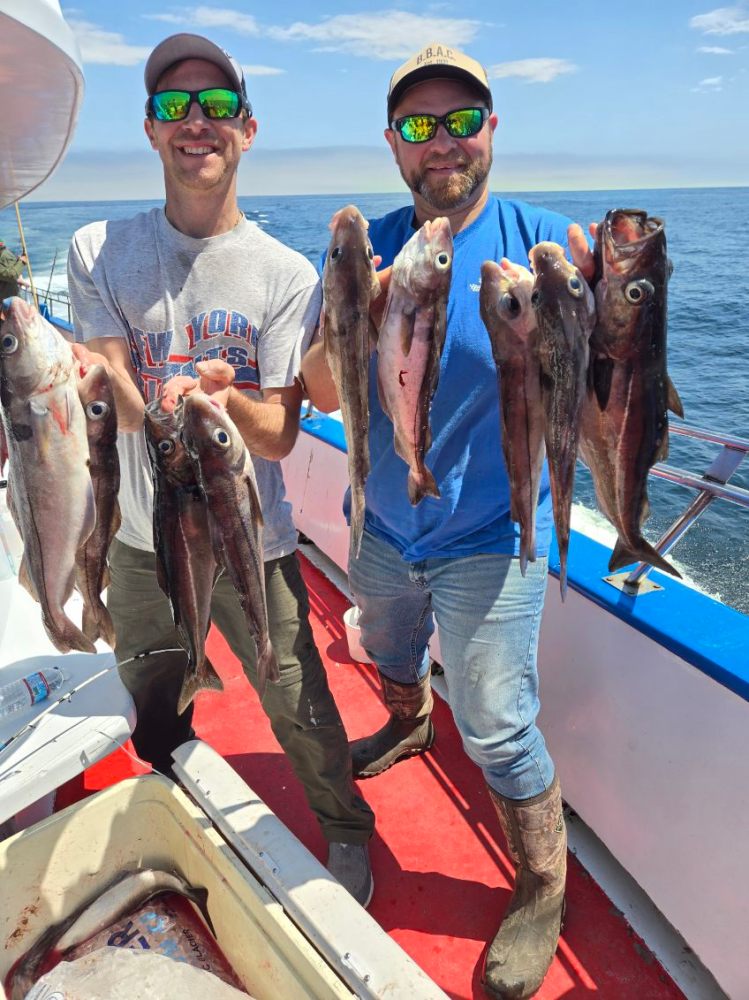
711,485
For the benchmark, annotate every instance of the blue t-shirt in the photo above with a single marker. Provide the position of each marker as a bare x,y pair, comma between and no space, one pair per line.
473,514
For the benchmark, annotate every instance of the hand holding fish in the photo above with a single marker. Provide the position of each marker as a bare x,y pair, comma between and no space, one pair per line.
87,359
582,255
215,379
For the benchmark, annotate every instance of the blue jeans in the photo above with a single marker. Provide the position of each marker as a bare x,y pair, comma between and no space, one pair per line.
489,617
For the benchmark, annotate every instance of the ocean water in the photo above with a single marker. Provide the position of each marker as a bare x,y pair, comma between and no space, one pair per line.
708,339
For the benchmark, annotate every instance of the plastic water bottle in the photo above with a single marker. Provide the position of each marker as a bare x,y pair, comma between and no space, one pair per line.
27,691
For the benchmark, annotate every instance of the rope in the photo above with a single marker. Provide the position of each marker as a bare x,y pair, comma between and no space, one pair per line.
26,255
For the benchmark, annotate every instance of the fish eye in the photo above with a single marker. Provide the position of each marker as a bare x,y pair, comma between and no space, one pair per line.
335,253
443,261
370,253
97,410
9,343
575,286
221,438
167,446
509,304
535,298
637,292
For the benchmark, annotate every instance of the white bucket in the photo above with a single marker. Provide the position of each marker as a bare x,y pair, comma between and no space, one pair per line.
353,635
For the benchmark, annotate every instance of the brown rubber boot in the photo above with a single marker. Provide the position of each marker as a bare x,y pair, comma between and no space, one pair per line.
521,953
408,731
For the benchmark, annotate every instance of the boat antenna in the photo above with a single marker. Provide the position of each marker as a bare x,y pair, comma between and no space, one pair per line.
26,255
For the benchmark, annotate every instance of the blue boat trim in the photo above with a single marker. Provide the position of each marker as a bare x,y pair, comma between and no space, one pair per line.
711,636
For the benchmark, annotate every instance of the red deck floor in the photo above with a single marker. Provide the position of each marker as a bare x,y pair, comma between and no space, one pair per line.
441,875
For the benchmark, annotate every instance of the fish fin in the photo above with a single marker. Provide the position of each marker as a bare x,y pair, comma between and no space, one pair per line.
374,334
267,667
97,623
624,555
407,321
426,488
600,372
206,679
200,898
674,401
381,394
257,512
24,578
64,635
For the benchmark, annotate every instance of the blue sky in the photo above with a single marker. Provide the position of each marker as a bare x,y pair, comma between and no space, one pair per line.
648,93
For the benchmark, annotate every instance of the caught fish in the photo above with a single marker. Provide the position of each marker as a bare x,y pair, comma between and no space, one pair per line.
186,565
129,891
227,478
625,416
409,347
97,398
50,494
3,445
349,285
510,320
565,313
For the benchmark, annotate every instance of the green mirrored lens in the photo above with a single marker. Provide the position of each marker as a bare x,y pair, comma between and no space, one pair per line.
418,128
171,105
219,103
461,124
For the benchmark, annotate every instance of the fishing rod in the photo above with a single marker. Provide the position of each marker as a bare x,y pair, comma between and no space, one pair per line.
26,255
51,275
79,687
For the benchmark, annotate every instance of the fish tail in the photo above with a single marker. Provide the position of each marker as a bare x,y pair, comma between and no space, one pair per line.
563,572
97,622
267,666
425,486
64,635
357,520
643,551
198,680
199,896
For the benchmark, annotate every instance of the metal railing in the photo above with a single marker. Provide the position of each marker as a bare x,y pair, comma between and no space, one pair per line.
712,485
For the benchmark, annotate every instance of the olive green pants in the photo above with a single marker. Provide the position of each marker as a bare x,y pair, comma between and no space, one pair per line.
301,709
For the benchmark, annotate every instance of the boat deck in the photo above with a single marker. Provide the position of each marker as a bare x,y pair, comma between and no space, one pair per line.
442,878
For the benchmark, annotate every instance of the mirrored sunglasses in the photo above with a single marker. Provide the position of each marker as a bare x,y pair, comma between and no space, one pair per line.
174,105
460,124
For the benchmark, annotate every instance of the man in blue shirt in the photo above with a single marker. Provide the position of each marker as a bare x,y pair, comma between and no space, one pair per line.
455,559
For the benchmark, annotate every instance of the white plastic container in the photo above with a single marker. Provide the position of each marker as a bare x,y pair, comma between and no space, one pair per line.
286,926
353,635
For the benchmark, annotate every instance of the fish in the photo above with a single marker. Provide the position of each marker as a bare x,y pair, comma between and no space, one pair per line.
227,478
349,286
130,890
186,566
97,399
510,320
565,313
3,446
50,494
409,347
624,427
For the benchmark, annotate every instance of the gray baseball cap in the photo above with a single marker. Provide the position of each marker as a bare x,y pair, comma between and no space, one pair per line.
177,48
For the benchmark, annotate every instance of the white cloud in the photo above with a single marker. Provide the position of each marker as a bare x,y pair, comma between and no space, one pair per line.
711,84
532,70
262,70
378,35
722,21
211,17
715,50
107,47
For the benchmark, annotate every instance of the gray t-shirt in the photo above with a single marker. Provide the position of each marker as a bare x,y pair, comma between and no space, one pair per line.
241,296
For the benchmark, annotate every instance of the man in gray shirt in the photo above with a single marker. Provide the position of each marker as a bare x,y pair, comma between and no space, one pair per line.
193,292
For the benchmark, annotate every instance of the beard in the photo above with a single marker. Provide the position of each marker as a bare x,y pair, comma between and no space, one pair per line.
453,192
